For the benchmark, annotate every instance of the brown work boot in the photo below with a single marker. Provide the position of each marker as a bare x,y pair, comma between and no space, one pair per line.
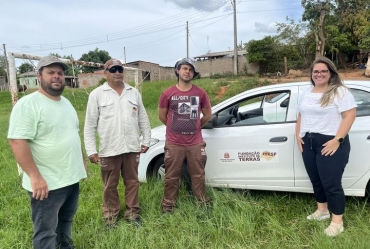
110,222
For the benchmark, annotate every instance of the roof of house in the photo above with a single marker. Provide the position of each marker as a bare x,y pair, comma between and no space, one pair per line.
33,74
221,54
27,74
137,62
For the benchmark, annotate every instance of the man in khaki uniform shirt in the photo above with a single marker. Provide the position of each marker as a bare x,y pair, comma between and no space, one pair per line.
116,112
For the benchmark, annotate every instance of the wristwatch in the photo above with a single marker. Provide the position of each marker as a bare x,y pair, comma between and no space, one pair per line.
339,139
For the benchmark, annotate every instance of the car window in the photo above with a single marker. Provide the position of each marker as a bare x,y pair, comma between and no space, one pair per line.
275,97
362,99
255,110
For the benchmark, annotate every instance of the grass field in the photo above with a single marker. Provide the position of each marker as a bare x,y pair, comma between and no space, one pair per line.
236,219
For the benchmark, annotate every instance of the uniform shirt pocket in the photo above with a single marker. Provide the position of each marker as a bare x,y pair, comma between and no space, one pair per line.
133,108
106,109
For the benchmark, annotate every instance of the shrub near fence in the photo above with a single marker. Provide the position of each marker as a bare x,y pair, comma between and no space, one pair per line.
4,87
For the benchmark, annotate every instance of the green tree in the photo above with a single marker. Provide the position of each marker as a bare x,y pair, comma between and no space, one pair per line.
315,12
345,26
264,52
351,17
3,67
26,67
2,61
69,71
295,37
98,56
364,38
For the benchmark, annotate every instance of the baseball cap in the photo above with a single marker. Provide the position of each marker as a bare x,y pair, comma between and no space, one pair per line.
185,61
111,63
51,59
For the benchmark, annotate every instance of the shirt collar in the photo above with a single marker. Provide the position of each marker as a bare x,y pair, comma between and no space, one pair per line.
106,87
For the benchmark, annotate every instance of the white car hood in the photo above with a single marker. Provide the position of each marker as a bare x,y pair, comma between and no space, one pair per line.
159,132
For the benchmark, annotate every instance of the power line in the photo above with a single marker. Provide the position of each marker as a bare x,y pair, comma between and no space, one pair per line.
250,11
182,31
161,25
195,44
212,37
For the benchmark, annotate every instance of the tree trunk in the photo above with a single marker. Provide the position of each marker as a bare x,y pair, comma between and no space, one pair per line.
320,41
285,66
342,60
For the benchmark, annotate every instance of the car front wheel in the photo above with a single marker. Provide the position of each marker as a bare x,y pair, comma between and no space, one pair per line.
159,172
158,169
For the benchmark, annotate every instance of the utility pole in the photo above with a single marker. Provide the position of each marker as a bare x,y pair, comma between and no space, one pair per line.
207,44
6,63
73,72
187,39
124,53
235,41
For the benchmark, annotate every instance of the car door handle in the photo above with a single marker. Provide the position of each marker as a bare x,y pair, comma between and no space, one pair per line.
278,139
368,137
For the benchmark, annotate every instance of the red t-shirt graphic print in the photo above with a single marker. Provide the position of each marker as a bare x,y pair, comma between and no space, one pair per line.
184,109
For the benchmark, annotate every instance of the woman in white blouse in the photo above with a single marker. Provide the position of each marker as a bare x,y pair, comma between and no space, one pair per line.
327,111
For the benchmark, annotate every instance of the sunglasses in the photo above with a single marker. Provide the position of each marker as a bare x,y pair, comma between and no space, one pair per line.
115,69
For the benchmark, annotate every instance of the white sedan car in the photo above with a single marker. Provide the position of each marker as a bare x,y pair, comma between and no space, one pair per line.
251,142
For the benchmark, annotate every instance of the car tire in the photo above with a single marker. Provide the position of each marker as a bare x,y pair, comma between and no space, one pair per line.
367,189
158,173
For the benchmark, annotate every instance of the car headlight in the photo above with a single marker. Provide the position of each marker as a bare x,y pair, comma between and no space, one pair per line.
153,141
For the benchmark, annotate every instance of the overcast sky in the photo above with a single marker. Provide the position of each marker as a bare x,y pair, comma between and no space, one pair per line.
147,30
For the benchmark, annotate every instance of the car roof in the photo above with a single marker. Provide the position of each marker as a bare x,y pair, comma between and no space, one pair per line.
346,82
282,85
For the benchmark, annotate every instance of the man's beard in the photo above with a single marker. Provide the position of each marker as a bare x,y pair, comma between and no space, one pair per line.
50,90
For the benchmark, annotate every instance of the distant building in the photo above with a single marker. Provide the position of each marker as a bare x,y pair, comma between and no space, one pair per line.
147,71
223,63
90,79
153,71
29,79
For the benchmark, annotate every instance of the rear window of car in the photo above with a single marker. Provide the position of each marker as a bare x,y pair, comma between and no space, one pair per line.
362,99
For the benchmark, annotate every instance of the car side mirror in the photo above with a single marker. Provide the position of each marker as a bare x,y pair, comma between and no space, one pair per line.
285,103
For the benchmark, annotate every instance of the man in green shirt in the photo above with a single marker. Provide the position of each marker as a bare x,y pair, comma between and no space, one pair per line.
43,134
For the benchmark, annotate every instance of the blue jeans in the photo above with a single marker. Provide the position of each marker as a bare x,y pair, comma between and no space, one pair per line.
52,218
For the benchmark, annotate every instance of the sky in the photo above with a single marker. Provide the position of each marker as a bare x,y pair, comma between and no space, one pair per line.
133,30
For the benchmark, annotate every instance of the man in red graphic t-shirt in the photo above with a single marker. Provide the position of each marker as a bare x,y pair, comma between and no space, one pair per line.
179,109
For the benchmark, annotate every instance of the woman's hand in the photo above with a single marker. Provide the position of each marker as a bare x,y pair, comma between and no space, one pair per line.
330,147
299,143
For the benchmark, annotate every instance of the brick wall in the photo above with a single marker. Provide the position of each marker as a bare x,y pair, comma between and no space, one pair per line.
89,79
225,66
92,79
157,72
166,73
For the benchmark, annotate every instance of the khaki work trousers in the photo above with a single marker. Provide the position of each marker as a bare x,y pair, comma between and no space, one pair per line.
173,160
112,167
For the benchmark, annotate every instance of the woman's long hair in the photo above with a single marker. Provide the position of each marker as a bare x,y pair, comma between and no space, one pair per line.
333,84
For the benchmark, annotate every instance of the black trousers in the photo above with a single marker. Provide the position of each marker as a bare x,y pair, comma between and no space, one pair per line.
326,172
52,218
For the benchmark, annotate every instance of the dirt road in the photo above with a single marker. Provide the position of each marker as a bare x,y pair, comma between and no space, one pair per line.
354,74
